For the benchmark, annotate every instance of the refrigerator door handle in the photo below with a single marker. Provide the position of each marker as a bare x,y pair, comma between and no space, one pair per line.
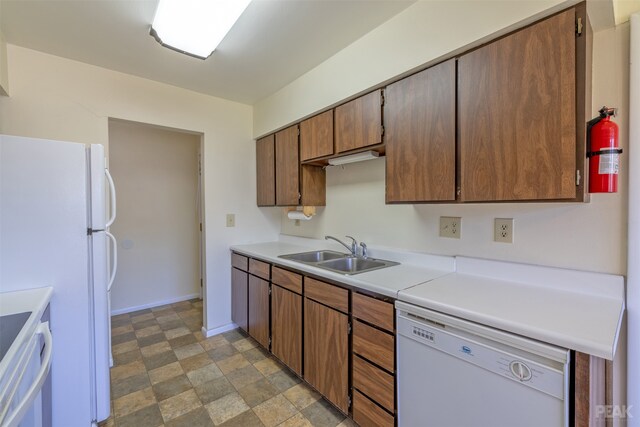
112,193
114,266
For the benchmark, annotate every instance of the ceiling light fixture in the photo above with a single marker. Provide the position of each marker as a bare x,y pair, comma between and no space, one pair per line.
195,27
352,158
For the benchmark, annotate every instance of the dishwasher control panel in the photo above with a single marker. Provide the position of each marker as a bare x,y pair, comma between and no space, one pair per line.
494,357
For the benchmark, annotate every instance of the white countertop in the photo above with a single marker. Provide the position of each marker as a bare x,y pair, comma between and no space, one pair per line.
414,268
573,309
33,300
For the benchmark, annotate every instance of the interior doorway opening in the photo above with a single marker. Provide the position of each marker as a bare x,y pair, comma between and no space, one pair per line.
159,228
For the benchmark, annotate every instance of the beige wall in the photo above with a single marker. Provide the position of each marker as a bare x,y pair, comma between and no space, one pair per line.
4,74
56,98
156,173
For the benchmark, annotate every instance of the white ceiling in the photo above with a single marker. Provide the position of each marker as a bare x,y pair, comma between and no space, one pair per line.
273,42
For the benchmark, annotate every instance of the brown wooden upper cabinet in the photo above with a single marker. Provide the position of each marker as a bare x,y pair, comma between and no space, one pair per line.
420,136
287,167
316,136
266,171
358,123
518,132
282,181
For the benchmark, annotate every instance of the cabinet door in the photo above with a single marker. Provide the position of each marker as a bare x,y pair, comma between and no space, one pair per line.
239,295
259,310
286,327
420,136
287,167
313,185
326,352
266,171
358,123
316,136
516,112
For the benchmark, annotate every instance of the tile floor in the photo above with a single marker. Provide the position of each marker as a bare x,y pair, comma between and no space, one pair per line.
166,373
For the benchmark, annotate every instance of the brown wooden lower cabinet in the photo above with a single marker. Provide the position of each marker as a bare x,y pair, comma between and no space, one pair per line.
286,327
368,414
259,310
239,295
326,352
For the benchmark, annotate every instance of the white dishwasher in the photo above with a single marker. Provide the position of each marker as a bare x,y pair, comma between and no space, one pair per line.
456,373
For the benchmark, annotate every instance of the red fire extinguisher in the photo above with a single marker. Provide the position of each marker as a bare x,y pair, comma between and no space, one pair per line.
603,152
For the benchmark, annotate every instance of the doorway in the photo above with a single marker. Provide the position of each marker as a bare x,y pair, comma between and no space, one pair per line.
157,175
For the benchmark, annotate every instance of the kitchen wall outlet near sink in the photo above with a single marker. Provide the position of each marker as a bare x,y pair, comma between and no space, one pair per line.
231,220
503,230
450,226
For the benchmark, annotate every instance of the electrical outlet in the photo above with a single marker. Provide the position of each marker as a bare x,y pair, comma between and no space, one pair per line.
450,226
231,220
503,230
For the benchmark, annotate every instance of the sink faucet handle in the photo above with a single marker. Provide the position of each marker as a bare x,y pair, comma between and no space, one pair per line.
354,245
365,254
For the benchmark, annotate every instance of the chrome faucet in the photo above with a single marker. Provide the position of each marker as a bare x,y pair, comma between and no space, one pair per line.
354,244
365,253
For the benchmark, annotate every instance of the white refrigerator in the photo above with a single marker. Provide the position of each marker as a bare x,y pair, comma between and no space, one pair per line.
54,232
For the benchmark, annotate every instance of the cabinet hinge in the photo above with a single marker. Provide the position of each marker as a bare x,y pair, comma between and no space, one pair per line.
381,130
349,400
269,341
349,328
578,177
298,131
269,290
299,196
382,98
579,27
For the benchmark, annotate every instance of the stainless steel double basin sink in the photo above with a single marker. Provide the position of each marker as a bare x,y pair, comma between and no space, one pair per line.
339,262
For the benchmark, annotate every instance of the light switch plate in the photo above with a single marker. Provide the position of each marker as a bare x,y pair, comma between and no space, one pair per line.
503,230
450,226
231,220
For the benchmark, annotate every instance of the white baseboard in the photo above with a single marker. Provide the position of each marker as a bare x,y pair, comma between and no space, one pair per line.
215,331
154,304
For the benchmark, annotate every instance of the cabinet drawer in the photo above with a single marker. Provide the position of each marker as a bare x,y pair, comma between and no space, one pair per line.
375,345
368,414
259,268
374,382
374,311
240,262
287,279
327,294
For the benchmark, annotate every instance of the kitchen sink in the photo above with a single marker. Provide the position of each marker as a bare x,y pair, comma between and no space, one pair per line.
353,265
314,256
338,262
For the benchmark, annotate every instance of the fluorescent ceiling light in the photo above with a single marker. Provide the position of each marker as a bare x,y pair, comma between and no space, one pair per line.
195,27
352,158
